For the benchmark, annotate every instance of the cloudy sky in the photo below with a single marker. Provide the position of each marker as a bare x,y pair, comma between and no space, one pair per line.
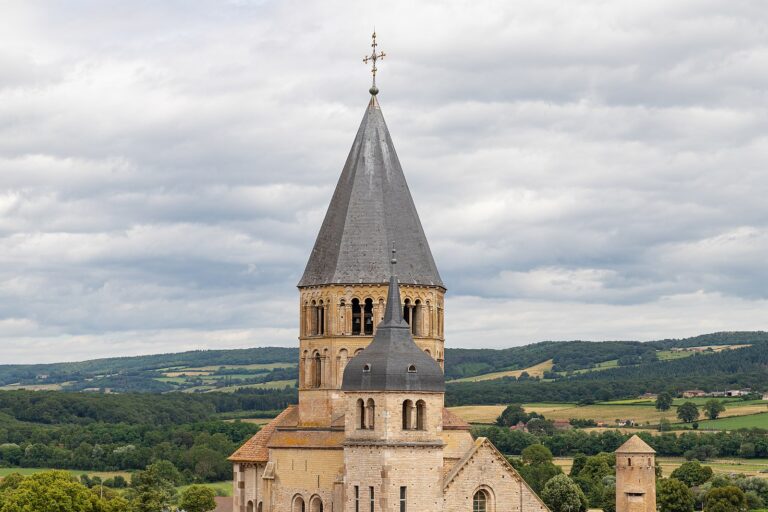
583,170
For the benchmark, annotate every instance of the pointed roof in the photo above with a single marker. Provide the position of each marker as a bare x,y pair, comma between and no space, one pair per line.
635,445
371,207
393,361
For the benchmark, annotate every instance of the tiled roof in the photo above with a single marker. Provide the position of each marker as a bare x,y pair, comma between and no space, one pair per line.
453,422
635,445
307,439
255,449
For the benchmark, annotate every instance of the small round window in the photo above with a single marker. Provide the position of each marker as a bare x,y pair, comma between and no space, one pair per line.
412,368
366,367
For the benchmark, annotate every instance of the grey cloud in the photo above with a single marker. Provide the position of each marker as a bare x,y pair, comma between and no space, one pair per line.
582,169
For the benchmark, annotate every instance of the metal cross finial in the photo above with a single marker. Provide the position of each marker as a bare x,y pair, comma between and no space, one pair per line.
373,58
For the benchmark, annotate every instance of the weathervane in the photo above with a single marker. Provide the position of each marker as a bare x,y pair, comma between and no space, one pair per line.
373,58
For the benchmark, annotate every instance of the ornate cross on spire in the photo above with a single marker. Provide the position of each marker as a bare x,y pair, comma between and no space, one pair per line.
373,58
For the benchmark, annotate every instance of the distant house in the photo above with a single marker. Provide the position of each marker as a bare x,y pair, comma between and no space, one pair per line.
625,423
738,392
520,426
562,425
765,396
694,393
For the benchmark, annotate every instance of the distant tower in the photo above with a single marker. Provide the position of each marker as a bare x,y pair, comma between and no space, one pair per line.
635,477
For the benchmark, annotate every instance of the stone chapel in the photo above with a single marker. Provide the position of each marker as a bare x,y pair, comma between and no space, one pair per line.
370,432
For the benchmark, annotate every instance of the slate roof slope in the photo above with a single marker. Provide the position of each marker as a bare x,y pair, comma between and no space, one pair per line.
371,208
635,445
385,365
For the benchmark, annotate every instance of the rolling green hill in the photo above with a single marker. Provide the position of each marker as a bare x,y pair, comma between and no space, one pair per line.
276,367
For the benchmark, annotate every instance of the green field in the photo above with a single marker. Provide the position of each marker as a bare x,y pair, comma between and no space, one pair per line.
745,414
76,472
220,488
736,422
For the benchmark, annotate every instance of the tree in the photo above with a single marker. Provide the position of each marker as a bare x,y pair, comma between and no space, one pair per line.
538,468
692,473
673,495
536,454
664,401
688,412
726,499
713,408
197,498
561,494
512,415
50,491
150,491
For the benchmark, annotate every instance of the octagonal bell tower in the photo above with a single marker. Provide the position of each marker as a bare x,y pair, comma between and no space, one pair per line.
343,290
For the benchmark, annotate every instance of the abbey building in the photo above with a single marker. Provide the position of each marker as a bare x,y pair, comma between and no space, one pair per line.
370,433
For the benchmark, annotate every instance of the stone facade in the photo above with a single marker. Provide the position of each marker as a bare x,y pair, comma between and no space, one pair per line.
328,338
635,477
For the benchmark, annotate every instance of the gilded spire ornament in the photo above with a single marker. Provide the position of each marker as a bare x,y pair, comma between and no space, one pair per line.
373,58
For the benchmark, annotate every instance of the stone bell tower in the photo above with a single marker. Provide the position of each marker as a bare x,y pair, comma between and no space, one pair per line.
344,287
635,477
393,449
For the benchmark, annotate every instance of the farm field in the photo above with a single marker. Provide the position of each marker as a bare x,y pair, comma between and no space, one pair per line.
76,472
534,371
736,422
642,412
751,467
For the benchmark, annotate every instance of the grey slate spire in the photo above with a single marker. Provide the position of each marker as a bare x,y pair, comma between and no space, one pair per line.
393,361
371,207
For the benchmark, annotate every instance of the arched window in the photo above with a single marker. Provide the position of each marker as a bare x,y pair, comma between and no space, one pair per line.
321,319
316,504
421,415
313,319
629,461
360,413
298,504
259,507
250,506
317,371
407,415
407,312
371,414
368,316
480,501
357,320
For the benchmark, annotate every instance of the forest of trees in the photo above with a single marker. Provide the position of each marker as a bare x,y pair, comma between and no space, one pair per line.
728,369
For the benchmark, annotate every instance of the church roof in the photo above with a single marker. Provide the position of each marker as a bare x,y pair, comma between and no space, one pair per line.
635,445
371,207
393,361
255,449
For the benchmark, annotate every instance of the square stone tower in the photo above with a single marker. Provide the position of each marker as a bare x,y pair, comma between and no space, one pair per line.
635,477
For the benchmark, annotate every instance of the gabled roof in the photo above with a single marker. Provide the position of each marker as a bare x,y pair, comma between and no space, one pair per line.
635,445
393,361
371,208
